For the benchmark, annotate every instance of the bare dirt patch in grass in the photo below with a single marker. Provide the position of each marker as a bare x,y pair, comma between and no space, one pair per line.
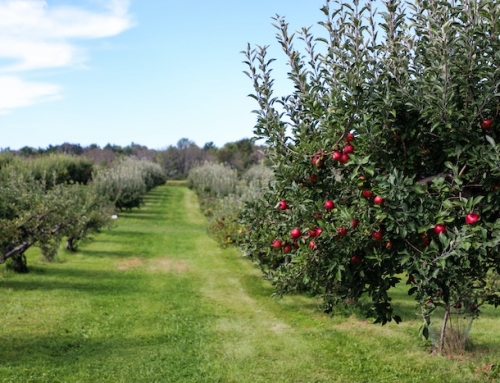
167,265
131,263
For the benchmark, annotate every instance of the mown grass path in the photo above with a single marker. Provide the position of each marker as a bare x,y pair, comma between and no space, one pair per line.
156,300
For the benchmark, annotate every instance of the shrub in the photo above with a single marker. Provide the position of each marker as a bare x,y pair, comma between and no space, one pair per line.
126,183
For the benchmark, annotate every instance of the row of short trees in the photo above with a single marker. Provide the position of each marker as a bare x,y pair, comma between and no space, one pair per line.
222,193
386,159
49,198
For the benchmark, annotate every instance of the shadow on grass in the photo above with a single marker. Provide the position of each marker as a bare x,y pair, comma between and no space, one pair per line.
107,254
145,215
76,354
93,281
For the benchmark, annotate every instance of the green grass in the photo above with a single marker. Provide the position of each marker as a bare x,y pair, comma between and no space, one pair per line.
156,300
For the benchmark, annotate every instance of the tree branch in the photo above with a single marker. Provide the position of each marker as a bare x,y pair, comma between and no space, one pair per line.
18,249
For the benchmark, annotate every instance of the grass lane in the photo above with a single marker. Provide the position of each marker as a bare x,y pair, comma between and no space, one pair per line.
156,300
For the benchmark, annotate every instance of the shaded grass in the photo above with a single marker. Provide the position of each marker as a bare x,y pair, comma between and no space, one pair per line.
155,300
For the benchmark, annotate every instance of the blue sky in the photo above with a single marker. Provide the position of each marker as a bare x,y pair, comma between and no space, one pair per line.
144,71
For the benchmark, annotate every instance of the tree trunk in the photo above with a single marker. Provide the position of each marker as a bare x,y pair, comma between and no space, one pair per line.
19,264
443,328
70,245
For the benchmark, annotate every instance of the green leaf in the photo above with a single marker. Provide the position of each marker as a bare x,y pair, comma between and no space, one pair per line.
491,141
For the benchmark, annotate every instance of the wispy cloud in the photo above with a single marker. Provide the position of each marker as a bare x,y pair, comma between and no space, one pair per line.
34,35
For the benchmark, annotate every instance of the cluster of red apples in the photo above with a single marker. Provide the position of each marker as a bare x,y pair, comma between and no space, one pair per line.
343,157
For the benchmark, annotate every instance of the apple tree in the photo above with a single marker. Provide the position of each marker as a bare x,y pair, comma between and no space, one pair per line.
386,158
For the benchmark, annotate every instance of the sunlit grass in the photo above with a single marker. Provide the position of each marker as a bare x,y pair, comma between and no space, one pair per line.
155,300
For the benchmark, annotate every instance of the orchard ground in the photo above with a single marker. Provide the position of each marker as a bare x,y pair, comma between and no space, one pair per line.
155,299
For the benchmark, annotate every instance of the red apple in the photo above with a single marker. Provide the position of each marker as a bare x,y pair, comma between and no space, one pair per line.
458,305
377,235
283,205
342,231
313,178
319,230
350,137
367,193
348,149
312,245
378,200
329,204
336,155
388,245
354,223
287,249
486,123
471,218
473,307
356,259
344,158
425,240
318,159
295,233
277,244
438,229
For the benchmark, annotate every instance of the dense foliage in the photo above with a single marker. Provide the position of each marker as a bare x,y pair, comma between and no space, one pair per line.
126,183
32,214
222,195
386,158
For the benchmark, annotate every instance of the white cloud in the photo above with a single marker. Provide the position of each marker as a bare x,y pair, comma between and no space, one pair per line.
15,93
34,35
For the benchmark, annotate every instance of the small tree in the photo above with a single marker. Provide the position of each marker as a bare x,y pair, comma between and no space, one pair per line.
33,215
385,157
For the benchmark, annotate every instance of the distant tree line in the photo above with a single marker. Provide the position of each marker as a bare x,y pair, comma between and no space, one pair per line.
175,160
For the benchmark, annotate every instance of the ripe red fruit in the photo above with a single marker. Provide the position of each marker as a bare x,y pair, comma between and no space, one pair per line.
486,123
344,158
318,159
329,205
336,155
356,259
425,240
377,235
348,149
312,245
287,249
471,218
458,305
342,231
367,193
313,178
378,200
295,233
438,229
277,244
283,205
354,223
350,137
319,230
388,245
473,307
